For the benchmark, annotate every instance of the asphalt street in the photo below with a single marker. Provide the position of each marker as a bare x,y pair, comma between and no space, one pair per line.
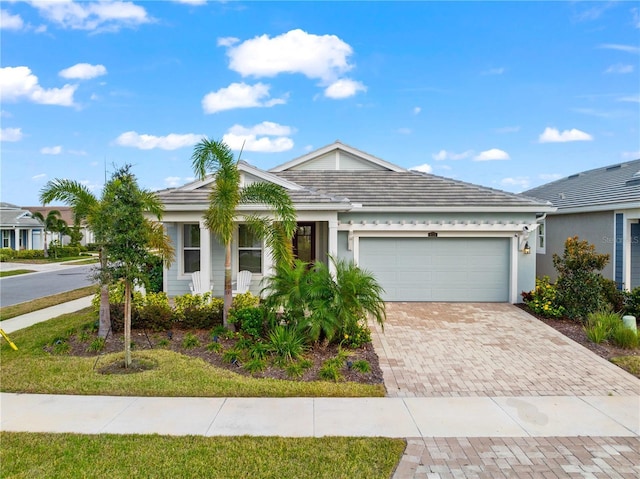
26,287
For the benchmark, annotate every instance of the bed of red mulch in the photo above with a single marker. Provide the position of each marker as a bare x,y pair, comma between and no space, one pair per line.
145,340
574,330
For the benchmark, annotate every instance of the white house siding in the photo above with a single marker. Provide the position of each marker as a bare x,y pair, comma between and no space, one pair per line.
596,228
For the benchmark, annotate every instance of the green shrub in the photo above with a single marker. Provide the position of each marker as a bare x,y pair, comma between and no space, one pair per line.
296,369
214,347
29,254
250,320
190,341
613,296
286,343
244,300
96,345
543,299
7,254
255,365
259,350
632,302
155,312
60,346
600,324
64,251
232,356
624,337
579,285
330,371
163,343
361,366
198,311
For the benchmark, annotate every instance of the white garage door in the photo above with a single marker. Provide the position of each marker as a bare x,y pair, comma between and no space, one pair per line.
439,269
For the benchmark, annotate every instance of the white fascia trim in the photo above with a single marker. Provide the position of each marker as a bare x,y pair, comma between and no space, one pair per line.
597,208
335,146
458,209
269,177
437,227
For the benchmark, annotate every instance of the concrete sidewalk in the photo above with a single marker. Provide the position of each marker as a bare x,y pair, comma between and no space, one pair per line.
498,417
29,319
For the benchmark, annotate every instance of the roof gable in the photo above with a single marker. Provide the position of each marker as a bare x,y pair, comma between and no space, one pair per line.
609,186
337,157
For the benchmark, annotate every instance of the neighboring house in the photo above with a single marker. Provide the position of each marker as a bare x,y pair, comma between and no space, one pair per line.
424,237
19,229
66,213
601,206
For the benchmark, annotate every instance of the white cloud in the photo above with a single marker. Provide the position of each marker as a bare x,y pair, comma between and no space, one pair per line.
553,135
494,71
316,56
172,141
227,41
344,88
83,71
450,155
550,176
258,137
491,155
98,16
520,182
631,99
39,177
416,110
9,21
173,181
424,168
239,95
192,2
636,17
5,114
11,134
619,68
622,48
51,150
18,82
508,129
630,155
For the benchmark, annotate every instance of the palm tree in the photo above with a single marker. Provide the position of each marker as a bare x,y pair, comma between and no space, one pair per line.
215,157
52,223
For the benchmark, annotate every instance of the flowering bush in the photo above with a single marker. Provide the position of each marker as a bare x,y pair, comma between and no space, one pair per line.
543,299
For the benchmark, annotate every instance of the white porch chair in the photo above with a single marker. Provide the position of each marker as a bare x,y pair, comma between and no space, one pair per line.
243,281
196,285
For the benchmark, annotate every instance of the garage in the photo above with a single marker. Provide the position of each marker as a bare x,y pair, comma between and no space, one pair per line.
438,269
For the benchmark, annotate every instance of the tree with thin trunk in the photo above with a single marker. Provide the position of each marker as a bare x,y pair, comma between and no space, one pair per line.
51,223
227,194
130,235
86,206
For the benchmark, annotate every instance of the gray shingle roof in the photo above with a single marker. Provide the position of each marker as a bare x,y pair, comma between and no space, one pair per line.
14,216
609,185
404,189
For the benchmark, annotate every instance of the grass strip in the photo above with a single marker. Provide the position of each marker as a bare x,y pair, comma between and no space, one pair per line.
15,272
32,369
28,455
629,363
8,312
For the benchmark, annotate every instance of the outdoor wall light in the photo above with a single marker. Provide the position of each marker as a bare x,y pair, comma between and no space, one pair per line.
527,248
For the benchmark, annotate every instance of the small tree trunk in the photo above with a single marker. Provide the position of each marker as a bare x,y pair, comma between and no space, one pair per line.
105,312
127,324
228,295
46,252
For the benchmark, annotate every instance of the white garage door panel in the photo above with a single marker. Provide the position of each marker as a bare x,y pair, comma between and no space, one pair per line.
439,269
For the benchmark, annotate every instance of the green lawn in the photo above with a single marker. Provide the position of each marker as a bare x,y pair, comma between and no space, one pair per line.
15,272
28,455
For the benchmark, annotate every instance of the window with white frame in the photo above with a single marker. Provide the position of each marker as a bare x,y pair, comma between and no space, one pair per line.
6,239
541,245
190,247
249,250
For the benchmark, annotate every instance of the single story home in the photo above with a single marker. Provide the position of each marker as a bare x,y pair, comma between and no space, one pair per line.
424,237
66,213
601,206
19,229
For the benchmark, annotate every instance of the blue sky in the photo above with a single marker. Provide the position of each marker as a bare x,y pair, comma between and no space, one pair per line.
505,95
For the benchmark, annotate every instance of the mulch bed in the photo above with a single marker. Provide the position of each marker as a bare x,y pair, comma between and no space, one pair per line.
574,330
146,340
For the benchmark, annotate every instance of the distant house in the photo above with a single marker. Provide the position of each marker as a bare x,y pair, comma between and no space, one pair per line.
601,206
19,229
66,213
424,237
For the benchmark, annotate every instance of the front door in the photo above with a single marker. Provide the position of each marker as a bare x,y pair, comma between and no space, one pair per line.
304,242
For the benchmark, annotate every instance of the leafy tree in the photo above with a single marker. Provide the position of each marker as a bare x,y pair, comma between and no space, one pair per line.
579,284
215,157
85,206
75,235
52,223
129,236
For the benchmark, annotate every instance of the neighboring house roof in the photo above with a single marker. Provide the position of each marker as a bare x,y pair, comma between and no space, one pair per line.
66,212
12,216
610,187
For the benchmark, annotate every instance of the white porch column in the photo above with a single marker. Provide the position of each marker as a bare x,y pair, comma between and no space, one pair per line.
205,255
333,243
29,239
513,286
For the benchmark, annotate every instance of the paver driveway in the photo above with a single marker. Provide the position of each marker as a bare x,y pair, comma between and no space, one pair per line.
464,349
487,349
